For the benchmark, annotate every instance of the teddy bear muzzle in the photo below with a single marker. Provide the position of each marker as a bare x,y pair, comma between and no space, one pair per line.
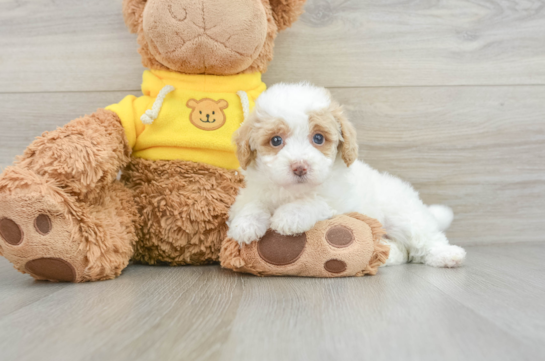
203,39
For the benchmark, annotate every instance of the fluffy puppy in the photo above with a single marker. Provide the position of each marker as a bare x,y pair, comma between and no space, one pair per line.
299,157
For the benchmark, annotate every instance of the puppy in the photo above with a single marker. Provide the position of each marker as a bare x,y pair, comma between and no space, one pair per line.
299,157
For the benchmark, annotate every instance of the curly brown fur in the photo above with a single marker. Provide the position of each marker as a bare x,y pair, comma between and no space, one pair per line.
184,207
286,12
82,156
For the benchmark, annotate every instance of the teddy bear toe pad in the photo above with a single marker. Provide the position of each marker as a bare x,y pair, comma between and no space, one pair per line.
52,269
280,250
11,232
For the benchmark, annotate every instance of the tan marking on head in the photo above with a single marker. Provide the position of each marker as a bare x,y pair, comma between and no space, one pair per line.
207,113
348,145
324,122
254,137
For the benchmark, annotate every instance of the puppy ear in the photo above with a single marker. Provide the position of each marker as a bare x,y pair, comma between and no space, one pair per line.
349,142
132,13
286,12
242,136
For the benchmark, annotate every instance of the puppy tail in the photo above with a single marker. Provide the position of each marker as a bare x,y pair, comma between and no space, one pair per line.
443,215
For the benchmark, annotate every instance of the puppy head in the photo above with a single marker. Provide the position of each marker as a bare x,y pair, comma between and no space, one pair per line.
295,135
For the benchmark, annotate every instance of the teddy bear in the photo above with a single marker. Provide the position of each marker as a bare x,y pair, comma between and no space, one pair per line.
65,215
151,178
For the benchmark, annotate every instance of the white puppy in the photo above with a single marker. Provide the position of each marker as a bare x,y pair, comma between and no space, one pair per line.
299,155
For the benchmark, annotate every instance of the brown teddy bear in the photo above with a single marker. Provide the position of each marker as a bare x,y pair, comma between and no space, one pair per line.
63,214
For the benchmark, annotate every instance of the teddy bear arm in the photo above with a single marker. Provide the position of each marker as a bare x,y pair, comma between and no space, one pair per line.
83,156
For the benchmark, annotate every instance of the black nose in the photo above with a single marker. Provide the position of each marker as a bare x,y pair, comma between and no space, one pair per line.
207,116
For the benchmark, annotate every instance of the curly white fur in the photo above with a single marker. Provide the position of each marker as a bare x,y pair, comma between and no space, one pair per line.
274,197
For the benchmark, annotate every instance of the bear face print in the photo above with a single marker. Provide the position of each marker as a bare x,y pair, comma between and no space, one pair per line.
207,114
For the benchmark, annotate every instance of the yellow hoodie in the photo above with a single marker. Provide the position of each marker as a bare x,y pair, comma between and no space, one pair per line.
188,117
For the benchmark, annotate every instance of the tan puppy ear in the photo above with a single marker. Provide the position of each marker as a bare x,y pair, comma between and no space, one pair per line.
286,12
245,154
222,104
349,142
132,13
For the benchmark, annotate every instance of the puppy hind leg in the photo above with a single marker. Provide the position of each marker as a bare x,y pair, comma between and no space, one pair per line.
436,251
398,253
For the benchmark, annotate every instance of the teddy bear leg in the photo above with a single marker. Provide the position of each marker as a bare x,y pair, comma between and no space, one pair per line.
346,245
184,208
63,215
52,236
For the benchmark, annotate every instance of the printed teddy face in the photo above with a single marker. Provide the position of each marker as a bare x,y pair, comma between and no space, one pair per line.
219,37
207,114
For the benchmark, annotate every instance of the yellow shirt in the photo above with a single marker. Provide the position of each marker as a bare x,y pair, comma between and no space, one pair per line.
195,121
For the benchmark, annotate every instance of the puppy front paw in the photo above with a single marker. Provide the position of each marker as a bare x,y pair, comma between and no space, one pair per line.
289,223
247,229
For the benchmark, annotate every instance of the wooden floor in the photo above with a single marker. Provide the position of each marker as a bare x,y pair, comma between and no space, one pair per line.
449,95
491,309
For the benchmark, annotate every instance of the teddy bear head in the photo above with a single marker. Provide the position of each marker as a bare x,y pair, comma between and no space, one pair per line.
218,37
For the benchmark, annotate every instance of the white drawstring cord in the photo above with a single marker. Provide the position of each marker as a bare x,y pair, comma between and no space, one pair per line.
151,114
245,103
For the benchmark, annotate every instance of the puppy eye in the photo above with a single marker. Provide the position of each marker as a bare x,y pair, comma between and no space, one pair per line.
213,113
276,141
200,111
318,139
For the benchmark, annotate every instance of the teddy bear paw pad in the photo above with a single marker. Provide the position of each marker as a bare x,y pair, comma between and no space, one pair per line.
11,232
281,250
339,236
55,269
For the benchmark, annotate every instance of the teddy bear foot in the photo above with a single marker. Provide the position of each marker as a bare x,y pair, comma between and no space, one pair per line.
347,245
35,235
42,231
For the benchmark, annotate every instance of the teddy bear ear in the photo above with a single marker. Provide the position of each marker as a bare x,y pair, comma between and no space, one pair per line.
286,12
192,103
222,104
132,13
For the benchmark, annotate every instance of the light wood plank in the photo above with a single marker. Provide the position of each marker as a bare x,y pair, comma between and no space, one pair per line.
393,316
67,45
148,313
18,290
477,149
409,312
508,291
46,112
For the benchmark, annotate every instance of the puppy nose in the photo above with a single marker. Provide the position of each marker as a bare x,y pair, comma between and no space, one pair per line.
299,169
